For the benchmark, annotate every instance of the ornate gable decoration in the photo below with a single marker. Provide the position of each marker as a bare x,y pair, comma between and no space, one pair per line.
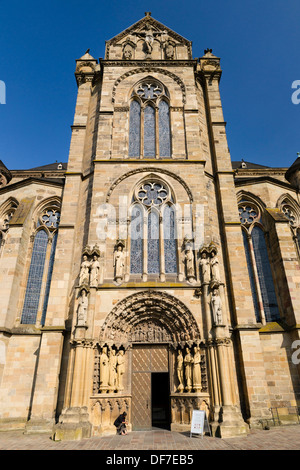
148,39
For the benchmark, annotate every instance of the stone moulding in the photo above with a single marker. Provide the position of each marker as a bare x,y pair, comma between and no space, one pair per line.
132,313
150,70
146,170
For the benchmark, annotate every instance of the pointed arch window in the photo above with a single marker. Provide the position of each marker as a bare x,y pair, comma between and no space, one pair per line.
149,121
41,267
258,262
7,211
153,245
291,211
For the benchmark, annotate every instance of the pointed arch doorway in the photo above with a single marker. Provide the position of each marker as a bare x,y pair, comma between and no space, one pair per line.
150,386
151,326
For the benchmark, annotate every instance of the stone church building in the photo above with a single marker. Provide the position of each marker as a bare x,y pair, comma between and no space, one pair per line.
150,273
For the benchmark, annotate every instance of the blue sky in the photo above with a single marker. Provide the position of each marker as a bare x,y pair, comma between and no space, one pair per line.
258,42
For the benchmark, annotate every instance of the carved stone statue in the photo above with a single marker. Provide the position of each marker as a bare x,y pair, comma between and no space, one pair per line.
188,361
120,370
84,276
197,370
189,262
94,275
104,370
216,304
82,308
112,370
179,369
119,263
205,268
149,38
215,270
127,52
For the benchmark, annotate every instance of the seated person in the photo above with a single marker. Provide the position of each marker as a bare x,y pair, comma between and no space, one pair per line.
120,424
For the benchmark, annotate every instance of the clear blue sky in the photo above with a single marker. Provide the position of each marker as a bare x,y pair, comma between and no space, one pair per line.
258,42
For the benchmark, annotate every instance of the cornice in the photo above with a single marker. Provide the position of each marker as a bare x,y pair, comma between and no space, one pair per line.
148,63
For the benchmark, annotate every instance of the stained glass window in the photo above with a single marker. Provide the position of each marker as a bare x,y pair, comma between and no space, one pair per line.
265,275
149,110
153,243
134,129
35,277
164,130
136,250
170,240
149,132
153,206
49,277
251,276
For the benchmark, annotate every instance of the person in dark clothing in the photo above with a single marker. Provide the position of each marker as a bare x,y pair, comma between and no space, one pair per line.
120,424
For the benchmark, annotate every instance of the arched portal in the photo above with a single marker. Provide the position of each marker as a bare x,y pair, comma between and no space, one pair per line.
157,339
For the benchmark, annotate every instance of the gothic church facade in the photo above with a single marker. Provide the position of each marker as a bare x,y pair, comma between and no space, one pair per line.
150,273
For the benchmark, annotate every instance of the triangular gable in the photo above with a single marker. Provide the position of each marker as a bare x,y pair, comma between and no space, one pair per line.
157,28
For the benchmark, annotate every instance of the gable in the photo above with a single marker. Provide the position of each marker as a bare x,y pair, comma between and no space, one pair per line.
148,39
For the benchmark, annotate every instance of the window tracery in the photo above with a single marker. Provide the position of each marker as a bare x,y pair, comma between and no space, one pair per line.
149,121
258,263
153,248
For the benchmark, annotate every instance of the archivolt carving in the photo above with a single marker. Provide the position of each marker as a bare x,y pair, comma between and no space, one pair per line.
145,170
150,317
150,70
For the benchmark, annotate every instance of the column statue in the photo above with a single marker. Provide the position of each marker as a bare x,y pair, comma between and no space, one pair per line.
84,276
120,370
112,370
119,263
82,308
188,360
180,371
94,276
205,268
197,370
189,261
216,307
104,370
215,270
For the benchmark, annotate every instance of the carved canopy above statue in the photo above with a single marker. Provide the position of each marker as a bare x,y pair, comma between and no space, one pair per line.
150,317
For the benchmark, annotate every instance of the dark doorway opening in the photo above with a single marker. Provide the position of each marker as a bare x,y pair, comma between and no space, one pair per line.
160,398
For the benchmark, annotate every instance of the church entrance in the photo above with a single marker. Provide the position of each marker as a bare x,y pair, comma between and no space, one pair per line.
150,386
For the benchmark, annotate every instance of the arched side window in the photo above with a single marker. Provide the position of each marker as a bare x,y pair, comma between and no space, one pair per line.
41,267
291,211
149,121
153,245
7,211
258,262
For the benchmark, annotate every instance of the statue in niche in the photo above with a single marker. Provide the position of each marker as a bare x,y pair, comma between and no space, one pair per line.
189,263
215,270
120,370
112,370
119,263
82,308
84,276
188,361
216,304
179,369
205,268
127,52
169,50
197,370
94,275
104,370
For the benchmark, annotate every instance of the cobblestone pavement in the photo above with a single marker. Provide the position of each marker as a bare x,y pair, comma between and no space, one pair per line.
279,438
